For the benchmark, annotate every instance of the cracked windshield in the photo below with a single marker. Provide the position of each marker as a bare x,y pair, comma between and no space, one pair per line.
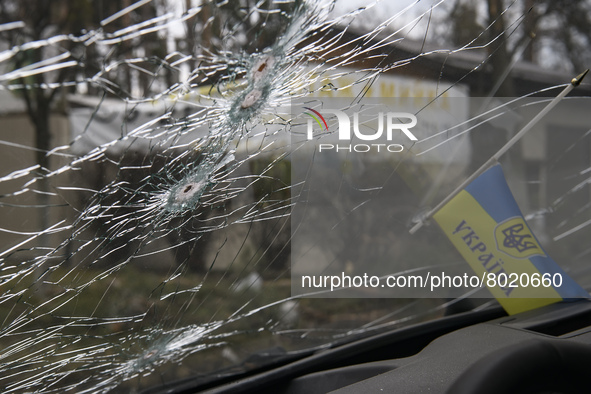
196,189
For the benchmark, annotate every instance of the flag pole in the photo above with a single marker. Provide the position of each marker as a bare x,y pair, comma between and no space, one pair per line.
576,81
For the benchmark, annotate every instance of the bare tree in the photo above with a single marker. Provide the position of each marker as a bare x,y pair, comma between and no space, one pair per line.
553,34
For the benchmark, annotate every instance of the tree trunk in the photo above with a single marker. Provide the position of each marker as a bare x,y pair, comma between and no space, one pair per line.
500,58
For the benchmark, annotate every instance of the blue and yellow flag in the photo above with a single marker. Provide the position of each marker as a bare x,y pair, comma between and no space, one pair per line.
485,224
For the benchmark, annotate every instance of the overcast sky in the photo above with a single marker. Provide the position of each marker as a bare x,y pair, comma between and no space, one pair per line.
404,11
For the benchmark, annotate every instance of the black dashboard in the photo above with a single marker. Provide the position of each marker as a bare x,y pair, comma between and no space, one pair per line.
547,350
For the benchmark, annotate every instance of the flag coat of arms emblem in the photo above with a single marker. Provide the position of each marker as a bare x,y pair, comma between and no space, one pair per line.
486,226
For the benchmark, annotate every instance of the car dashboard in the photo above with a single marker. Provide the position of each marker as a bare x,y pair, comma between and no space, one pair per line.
546,350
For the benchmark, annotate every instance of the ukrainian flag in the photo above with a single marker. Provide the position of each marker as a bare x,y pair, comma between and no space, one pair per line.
486,226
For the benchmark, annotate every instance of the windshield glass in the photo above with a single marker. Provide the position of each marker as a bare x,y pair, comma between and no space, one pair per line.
186,184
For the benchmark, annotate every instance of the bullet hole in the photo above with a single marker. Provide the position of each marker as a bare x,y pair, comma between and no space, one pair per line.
262,67
185,195
251,98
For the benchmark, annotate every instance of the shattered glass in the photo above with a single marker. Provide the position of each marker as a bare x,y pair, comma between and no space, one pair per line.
146,186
